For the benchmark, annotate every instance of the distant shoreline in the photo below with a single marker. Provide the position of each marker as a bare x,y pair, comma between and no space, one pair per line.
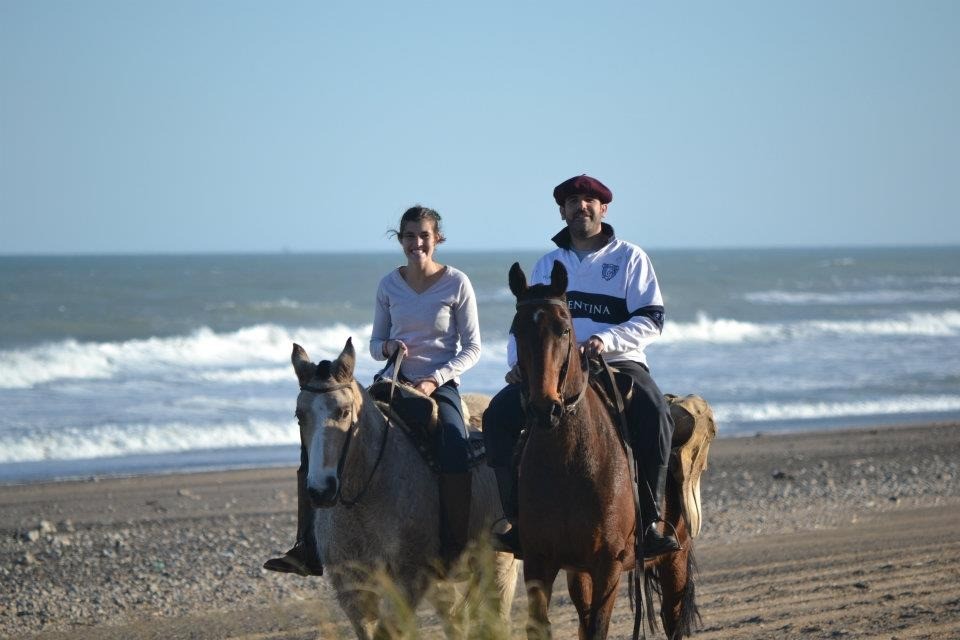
454,250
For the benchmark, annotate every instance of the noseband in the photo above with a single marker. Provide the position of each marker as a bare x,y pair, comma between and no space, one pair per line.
569,405
342,461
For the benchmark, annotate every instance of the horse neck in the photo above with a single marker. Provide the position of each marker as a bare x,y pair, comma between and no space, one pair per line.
367,443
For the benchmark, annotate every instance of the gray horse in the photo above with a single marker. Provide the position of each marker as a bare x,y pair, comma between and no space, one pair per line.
377,500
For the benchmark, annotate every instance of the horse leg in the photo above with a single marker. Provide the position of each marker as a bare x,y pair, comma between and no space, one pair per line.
361,606
506,567
539,575
580,587
605,580
445,598
400,595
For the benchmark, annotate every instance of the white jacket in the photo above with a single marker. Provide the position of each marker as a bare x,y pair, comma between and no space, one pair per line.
612,294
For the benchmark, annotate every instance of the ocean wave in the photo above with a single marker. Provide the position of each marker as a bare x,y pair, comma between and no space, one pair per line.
846,298
769,411
111,440
719,330
259,354
724,331
248,347
944,324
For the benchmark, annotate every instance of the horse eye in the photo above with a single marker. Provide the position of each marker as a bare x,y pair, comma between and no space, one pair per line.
343,414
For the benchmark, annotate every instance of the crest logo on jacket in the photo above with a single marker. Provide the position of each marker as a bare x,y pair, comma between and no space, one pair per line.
609,270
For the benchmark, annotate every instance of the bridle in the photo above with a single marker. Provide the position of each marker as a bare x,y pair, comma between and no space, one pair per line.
568,405
342,461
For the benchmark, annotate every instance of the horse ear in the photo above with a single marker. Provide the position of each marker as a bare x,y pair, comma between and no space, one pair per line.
518,281
558,279
343,366
302,365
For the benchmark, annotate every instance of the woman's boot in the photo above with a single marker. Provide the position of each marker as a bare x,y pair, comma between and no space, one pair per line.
455,490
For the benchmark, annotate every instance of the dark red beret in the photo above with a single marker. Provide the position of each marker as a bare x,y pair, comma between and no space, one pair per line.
583,185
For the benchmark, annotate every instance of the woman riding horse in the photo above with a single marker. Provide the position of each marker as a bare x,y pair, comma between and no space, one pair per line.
428,312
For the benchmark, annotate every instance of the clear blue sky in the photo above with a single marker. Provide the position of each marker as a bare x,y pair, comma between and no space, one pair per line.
172,126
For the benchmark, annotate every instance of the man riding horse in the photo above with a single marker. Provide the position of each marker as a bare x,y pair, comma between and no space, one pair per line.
617,310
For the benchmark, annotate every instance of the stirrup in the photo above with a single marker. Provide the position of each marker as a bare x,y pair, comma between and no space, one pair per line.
508,541
656,544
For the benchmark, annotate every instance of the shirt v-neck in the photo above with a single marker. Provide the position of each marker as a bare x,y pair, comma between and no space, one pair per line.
433,284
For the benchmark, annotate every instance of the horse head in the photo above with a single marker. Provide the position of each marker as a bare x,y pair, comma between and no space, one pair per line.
327,410
546,343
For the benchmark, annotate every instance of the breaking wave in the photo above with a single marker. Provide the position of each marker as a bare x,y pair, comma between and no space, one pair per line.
112,440
769,411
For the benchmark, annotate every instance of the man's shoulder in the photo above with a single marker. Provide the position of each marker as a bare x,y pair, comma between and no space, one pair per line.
546,260
625,246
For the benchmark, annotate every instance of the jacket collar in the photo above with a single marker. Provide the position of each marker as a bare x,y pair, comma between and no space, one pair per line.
562,239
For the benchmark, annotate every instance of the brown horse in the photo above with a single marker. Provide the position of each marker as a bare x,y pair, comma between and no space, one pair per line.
577,509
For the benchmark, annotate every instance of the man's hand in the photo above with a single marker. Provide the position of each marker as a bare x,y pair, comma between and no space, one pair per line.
514,376
426,386
592,347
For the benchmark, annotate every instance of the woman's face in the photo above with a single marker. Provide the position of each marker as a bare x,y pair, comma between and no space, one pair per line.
418,239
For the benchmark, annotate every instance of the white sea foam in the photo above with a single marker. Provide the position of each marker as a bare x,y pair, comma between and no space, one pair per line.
282,303
720,330
254,346
912,324
259,353
768,411
842,298
109,440
247,374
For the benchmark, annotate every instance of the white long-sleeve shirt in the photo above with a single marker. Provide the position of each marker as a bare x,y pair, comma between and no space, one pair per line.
440,326
612,294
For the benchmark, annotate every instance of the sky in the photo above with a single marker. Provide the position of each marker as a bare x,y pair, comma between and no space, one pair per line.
247,126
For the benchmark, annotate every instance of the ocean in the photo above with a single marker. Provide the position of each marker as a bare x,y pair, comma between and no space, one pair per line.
152,364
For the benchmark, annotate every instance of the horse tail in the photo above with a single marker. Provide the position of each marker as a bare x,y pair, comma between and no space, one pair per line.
651,585
689,618
689,611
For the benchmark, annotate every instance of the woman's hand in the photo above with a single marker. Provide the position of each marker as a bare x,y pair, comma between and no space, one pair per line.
426,386
392,345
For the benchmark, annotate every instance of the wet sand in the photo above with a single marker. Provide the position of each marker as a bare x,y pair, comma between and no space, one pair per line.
834,534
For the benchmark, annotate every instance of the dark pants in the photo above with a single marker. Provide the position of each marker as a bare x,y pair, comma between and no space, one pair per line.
648,418
451,436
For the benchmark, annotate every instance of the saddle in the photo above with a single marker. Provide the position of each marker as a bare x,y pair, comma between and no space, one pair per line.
693,430
416,415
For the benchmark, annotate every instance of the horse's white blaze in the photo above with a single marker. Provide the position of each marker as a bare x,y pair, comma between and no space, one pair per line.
317,473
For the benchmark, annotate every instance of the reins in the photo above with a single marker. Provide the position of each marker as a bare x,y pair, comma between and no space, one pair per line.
342,461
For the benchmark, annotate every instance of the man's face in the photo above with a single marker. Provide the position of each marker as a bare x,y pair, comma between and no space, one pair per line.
583,214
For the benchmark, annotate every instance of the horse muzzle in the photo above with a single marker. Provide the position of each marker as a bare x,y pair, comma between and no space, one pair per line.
325,495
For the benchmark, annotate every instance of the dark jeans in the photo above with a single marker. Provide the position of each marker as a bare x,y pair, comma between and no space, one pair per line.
451,436
648,418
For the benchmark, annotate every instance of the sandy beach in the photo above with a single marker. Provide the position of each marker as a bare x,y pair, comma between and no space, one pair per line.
839,534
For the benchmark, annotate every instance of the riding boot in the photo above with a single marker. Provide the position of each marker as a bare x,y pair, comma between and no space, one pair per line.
655,543
509,539
455,491
302,557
